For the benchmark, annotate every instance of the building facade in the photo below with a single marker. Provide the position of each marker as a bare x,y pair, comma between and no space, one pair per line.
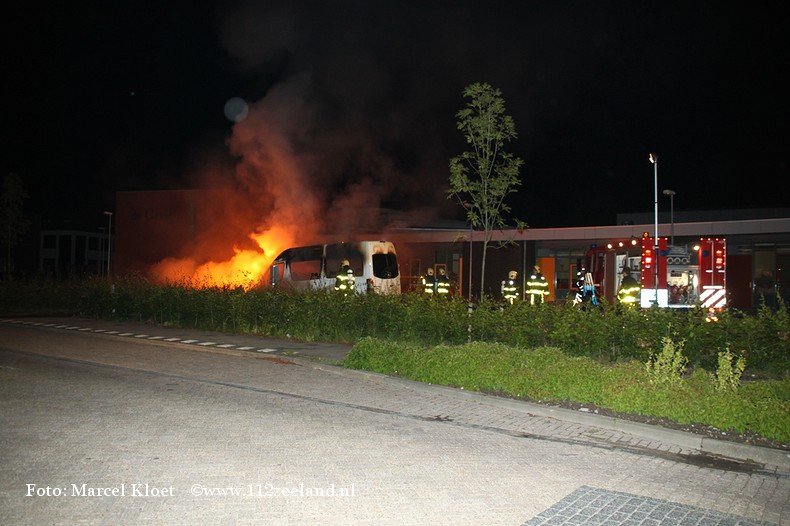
758,255
70,253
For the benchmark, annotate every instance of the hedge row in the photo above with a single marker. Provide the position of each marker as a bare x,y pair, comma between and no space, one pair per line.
606,333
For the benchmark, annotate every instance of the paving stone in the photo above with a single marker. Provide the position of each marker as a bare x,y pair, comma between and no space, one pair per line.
634,510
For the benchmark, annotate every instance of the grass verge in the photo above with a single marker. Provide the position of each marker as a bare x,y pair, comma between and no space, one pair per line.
547,374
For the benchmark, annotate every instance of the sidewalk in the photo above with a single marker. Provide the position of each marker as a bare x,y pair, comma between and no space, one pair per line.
454,405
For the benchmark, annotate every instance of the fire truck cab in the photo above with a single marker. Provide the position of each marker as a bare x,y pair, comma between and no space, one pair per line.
672,276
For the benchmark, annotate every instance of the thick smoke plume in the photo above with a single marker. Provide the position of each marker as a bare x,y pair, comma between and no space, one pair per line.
310,160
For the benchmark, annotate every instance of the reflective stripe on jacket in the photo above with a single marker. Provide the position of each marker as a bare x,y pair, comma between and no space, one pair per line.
537,287
428,284
509,290
629,291
443,285
345,282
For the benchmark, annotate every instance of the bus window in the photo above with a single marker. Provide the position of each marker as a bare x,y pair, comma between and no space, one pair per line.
301,270
385,266
277,272
337,252
306,263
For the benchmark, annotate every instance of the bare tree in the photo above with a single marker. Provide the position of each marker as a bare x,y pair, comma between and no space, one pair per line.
481,178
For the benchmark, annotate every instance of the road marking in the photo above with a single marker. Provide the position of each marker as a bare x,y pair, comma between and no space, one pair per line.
116,333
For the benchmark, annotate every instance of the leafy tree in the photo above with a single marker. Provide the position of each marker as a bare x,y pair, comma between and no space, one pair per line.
481,179
13,222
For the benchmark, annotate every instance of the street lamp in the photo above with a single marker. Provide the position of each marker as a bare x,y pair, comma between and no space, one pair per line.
671,194
109,241
101,250
654,159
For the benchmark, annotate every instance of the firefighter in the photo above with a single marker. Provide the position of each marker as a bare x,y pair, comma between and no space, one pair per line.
537,286
629,289
509,288
579,286
585,289
428,282
344,282
442,283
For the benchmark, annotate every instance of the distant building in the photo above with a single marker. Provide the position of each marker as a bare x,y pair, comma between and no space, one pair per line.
702,216
69,253
758,250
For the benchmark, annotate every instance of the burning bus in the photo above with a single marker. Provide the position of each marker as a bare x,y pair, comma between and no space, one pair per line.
314,267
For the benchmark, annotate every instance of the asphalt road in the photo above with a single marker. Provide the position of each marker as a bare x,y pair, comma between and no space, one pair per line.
102,429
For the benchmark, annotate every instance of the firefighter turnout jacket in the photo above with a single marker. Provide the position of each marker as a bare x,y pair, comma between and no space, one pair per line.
629,291
509,290
345,282
537,288
442,284
428,283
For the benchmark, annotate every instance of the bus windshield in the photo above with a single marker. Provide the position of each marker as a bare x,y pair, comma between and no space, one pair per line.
385,266
337,252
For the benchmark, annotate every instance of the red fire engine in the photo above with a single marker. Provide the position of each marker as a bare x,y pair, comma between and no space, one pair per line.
676,276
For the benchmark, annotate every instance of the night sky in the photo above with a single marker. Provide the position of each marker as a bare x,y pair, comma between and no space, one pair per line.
131,95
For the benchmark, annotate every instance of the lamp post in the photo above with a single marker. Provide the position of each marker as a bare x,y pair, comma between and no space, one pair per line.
654,159
109,242
671,194
101,250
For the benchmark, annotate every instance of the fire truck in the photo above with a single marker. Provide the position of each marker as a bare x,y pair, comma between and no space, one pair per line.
673,276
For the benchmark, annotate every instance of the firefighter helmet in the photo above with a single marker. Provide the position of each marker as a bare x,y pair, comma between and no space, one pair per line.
345,263
512,274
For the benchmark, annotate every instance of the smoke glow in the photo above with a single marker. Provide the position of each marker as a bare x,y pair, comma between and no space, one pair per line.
245,269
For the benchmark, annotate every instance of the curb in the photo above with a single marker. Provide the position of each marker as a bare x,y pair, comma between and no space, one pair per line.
723,448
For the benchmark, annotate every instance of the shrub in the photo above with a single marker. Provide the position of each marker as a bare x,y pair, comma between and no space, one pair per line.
728,374
667,366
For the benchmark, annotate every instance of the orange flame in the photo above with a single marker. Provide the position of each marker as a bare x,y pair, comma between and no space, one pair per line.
245,269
